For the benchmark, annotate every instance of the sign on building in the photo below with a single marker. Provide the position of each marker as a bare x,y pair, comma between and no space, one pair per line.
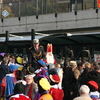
5,13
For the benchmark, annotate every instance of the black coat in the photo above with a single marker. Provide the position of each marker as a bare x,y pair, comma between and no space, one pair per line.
4,69
34,56
69,83
92,76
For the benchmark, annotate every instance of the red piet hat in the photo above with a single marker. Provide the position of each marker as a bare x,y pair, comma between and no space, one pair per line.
94,84
49,47
55,78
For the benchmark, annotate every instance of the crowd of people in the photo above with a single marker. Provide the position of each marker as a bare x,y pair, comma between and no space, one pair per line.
39,76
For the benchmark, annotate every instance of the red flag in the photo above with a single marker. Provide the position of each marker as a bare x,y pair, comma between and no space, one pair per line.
98,4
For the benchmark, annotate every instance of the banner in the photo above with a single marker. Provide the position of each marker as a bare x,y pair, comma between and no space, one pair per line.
98,4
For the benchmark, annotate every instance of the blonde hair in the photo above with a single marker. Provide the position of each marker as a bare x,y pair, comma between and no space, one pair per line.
57,66
87,64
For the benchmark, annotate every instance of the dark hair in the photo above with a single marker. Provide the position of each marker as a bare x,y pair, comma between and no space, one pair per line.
86,70
97,67
19,88
20,75
95,63
80,63
5,60
6,55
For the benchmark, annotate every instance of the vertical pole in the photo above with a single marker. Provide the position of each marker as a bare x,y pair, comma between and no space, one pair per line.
42,7
32,34
94,4
46,6
85,6
1,9
19,11
37,7
75,5
56,6
82,5
6,41
70,6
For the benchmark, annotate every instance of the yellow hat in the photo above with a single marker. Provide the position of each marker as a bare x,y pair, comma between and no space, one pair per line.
44,84
19,60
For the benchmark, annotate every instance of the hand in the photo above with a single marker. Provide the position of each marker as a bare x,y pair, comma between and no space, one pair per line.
71,93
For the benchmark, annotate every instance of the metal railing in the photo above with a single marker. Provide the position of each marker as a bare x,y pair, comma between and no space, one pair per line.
40,7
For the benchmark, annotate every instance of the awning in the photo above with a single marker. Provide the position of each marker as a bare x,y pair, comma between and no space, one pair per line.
75,39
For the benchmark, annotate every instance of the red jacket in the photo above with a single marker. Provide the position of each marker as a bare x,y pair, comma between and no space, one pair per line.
19,97
57,93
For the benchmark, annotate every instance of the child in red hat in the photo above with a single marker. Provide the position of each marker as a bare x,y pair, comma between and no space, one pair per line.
55,90
94,94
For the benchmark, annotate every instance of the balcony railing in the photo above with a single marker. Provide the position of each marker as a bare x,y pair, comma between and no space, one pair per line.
41,7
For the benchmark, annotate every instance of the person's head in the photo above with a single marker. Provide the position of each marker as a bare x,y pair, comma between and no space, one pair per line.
49,54
43,84
57,66
73,64
5,61
36,43
54,79
24,71
53,71
19,88
93,86
94,64
49,57
84,89
12,57
30,70
7,56
86,70
29,79
19,60
87,64
12,60
97,68
81,66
